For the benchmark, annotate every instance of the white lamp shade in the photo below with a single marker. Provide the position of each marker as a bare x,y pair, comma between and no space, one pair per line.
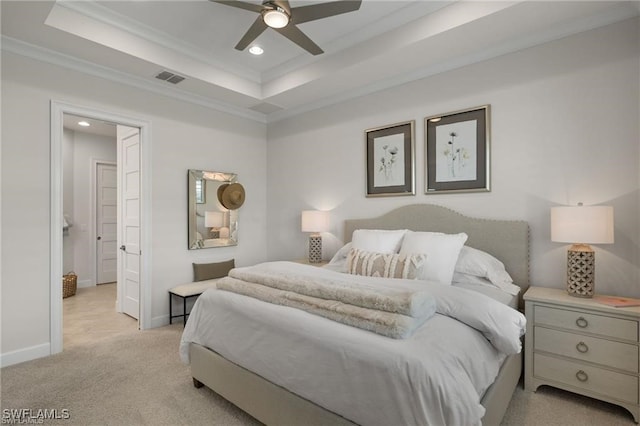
213,219
582,224
315,221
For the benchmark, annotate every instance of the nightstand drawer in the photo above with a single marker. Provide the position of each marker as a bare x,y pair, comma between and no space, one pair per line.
589,323
604,382
618,355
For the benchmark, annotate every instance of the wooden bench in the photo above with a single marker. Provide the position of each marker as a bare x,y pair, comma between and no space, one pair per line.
187,291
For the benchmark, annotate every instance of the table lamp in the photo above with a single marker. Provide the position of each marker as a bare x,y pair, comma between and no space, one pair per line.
215,221
581,226
315,221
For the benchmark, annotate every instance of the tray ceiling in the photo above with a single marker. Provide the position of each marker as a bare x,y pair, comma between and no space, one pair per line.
383,44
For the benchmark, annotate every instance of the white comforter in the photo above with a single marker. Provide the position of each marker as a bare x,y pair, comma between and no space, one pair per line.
437,376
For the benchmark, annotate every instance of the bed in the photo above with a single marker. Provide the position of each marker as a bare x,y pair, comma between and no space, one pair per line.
246,365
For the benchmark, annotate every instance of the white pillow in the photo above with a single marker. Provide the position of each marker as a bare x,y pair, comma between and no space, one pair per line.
342,253
377,240
481,264
509,288
441,249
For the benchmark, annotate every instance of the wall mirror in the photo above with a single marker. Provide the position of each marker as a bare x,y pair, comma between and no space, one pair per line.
210,223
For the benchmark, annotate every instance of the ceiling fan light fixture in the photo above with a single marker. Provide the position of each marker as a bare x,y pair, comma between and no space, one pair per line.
276,18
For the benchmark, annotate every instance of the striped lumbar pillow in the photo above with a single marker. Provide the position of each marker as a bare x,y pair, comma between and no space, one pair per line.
372,264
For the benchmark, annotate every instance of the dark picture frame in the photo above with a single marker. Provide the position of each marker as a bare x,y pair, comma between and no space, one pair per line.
457,151
391,160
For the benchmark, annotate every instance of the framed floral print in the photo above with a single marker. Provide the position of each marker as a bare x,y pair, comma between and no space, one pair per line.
457,151
390,160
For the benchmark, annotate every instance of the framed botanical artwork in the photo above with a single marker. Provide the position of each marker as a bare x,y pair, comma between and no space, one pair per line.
390,160
457,151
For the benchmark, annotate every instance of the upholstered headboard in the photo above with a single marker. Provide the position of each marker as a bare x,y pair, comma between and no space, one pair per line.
507,240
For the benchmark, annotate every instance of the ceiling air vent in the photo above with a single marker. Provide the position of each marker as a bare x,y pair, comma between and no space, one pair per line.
170,77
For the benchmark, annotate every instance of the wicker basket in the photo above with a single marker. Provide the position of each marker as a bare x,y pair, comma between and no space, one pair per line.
69,284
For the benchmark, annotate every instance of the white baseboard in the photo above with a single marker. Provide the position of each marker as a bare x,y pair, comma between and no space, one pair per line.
85,283
26,354
160,321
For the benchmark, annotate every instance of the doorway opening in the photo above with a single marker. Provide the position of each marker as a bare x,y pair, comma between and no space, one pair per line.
89,238
91,217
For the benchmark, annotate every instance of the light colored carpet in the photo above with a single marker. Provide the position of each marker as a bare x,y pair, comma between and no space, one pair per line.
130,377
110,373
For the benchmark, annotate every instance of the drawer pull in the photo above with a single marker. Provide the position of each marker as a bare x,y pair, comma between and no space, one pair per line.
582,347
582,323
582,376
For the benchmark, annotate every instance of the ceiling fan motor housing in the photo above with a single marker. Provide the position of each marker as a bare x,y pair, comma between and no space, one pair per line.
275,4
275,16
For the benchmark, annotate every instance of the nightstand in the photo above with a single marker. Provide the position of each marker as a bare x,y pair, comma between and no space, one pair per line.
582,346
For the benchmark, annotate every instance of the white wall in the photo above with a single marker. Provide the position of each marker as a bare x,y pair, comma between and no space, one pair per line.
564,130
183,136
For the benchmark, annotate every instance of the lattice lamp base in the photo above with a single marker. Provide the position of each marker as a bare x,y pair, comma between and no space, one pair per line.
581,269
315,249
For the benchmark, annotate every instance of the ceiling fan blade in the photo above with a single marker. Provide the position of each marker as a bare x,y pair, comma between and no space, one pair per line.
313,12
252,33
240,5
294,34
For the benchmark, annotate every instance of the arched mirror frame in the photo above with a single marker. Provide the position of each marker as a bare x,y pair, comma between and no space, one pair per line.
204,206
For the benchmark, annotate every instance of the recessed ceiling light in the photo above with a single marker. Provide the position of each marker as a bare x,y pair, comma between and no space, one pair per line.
256,50
83,124
435,120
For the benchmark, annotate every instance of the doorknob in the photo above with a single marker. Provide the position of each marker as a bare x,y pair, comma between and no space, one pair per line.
99,237
123,247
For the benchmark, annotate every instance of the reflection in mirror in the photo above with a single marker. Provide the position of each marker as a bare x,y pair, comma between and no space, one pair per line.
210,223
200,191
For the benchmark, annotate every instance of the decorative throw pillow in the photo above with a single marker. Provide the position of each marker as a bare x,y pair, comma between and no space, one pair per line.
442,252
208,271
385,265
378,240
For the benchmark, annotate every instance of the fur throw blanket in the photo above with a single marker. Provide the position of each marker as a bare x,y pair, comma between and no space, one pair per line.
390,312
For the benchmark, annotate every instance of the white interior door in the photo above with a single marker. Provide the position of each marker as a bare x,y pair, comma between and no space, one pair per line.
106,223
129,213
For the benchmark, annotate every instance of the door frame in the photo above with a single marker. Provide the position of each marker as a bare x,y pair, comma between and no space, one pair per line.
58,109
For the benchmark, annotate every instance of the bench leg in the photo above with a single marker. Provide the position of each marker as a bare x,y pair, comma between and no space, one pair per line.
170,310
184,311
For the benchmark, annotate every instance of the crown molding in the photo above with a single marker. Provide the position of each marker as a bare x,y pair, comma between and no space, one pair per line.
42,54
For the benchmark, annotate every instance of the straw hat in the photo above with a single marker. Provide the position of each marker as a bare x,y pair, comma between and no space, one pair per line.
231,196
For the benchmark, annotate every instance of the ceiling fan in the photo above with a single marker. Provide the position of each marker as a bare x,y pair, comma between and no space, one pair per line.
283,18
